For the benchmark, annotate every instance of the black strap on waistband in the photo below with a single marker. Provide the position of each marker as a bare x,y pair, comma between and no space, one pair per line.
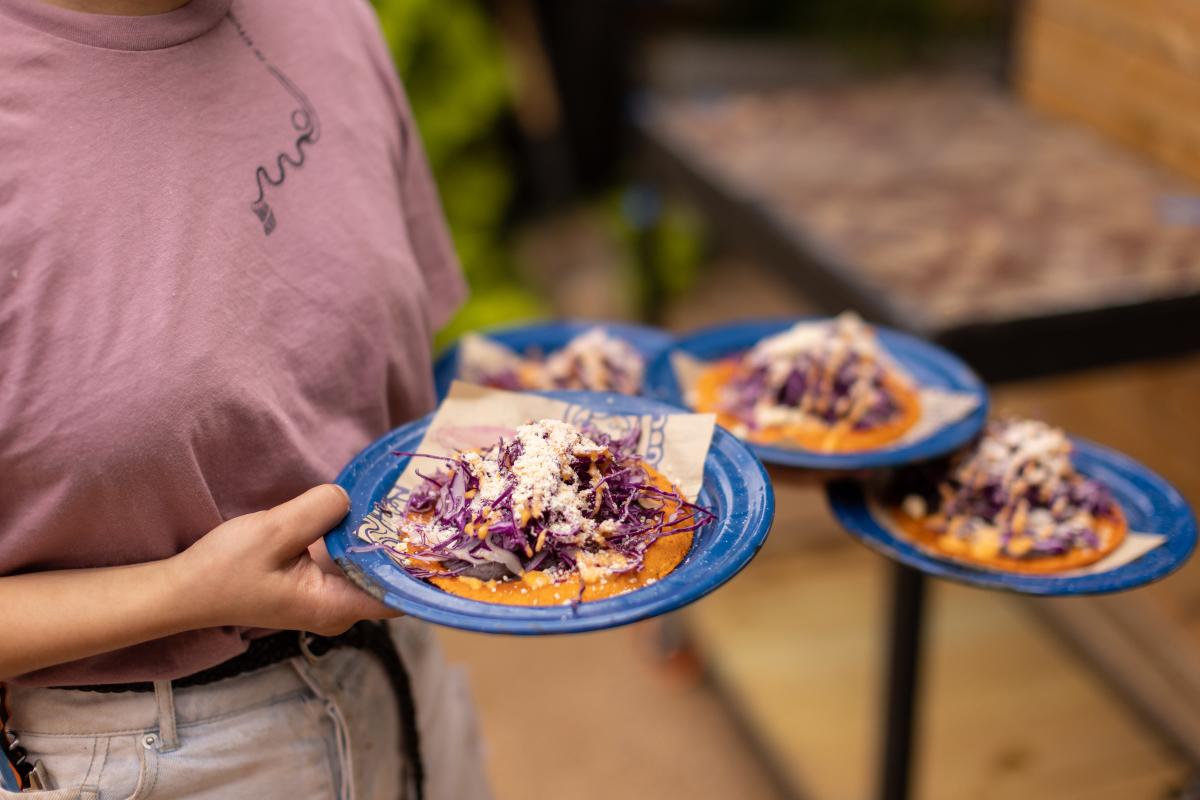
259,654
370,636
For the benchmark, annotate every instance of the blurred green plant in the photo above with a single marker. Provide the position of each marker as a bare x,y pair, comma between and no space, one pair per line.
450,59
664,245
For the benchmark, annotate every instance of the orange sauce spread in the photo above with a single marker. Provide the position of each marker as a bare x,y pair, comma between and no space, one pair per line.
537,588
840,437
1110,530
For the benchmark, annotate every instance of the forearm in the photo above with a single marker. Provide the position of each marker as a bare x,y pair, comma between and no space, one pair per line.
254,571
54,617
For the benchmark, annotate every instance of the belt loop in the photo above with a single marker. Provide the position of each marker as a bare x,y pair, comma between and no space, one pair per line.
341,729
164,695
306,640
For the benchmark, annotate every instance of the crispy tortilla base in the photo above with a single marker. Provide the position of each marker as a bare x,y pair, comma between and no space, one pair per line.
838,438
1111,531
529,374
538,589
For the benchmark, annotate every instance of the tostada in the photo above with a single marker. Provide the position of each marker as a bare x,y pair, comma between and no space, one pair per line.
1011,501
821,385
593,360
554,513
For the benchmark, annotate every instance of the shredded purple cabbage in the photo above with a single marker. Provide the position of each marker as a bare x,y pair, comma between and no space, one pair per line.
1044,504
620,505
830,373
807,386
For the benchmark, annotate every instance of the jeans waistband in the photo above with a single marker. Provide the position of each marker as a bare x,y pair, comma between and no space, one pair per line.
60,712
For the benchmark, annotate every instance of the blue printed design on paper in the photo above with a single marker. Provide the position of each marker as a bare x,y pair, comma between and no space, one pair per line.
651,445
654,438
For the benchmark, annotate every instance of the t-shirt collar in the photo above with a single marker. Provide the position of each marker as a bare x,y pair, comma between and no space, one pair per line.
113,32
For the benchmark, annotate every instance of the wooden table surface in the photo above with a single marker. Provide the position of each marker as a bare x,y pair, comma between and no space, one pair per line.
941,206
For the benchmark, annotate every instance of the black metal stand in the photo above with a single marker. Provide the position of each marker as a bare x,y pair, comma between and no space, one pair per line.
903,685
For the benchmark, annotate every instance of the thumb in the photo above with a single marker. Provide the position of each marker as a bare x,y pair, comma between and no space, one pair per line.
299,522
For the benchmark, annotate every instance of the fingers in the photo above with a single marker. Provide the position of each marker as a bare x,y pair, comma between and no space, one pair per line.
320,555
343,604
299,522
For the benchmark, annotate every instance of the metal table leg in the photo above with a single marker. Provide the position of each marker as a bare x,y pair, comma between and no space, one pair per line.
903,672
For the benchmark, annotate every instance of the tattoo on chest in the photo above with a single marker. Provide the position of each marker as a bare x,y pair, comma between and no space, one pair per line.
306,127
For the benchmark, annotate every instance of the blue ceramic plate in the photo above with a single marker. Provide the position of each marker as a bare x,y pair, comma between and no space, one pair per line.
1151,505
735,488
550,336
928,364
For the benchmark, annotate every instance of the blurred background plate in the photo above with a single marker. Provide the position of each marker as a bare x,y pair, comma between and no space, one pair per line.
930,365
1151,505
735,488
547,337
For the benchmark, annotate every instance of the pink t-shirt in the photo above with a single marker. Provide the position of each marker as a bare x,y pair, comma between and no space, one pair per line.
221,261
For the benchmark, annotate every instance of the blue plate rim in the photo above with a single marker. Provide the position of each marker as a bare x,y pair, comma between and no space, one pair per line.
847,502
431,604
731,337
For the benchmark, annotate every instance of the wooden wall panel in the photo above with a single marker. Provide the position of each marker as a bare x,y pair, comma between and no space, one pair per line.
1129,68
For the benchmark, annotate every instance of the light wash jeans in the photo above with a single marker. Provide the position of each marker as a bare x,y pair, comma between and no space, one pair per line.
297,730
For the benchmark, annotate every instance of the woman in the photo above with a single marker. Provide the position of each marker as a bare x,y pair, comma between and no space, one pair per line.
223,260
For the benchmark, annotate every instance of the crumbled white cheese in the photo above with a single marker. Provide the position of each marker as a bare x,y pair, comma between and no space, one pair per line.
487,471
539,491
548,447
1020,450
830,341
914,506
587,362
